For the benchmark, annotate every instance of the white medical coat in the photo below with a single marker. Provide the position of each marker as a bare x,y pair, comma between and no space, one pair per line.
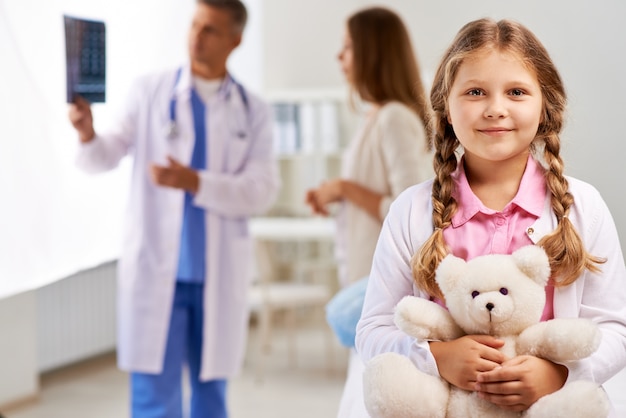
241,180
600,297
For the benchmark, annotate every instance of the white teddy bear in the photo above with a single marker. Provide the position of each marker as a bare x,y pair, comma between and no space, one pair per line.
499,295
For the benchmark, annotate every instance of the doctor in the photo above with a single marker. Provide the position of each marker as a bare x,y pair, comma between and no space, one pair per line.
203,163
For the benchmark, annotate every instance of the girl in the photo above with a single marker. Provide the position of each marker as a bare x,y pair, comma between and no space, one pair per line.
498,95
389,153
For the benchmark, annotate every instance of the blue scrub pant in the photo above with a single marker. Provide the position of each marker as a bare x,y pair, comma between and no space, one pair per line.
160,395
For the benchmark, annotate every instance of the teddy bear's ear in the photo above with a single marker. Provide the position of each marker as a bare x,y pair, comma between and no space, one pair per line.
533,261
449,271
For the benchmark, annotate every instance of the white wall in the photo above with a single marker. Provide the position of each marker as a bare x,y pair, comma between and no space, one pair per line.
587,40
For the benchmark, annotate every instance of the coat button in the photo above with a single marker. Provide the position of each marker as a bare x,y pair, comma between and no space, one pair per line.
530,231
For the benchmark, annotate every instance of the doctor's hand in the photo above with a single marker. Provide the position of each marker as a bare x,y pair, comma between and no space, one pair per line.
82,120
520,382
175,175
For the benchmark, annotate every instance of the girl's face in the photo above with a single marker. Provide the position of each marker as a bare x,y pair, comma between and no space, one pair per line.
495,106
345,56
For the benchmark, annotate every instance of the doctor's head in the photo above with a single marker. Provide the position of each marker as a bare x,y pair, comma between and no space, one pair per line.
216,30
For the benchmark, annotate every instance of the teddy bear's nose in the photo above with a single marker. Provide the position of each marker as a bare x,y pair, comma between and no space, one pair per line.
490,306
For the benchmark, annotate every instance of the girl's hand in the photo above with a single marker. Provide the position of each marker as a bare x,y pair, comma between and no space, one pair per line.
460,361
519,382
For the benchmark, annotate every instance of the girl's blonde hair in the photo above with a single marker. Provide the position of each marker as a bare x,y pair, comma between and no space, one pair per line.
384,64
568,257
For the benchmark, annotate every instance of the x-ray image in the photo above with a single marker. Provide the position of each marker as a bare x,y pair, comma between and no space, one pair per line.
85,42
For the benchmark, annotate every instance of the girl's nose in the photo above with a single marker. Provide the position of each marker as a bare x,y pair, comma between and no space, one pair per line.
495,108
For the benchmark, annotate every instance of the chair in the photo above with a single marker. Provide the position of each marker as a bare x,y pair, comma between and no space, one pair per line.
270,293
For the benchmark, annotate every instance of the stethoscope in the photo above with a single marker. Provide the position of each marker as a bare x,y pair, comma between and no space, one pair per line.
171,129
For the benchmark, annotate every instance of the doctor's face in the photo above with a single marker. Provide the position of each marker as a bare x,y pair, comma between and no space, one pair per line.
345,57
212,37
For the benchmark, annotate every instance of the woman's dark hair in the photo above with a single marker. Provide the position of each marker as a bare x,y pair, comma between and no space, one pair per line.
384,64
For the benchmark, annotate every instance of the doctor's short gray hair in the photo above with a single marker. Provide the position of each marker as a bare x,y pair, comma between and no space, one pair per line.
236,9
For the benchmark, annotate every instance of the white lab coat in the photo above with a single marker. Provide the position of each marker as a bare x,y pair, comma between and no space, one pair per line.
600,297
241,180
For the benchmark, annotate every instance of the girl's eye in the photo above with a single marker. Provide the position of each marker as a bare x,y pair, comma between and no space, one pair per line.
504,291
475,293
517,92
475,92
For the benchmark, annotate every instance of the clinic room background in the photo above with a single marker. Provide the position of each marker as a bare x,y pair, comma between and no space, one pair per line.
55,221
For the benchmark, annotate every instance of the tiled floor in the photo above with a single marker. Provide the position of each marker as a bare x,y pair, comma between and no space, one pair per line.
309,389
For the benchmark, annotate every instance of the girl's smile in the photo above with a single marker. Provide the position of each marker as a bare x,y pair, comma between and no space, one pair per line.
495,131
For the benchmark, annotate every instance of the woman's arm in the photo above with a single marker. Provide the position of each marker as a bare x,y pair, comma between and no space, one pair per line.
338,189
399,137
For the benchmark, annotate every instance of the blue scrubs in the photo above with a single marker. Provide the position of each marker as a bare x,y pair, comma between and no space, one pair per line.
160,396
191,260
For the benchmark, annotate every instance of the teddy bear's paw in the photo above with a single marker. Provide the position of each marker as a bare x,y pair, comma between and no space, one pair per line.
584,337
423,319
394,388
580,399
561,339
408,316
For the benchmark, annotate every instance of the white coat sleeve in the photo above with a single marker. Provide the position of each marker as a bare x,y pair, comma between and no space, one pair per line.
404,151
601,296
253,189
105,151
405,227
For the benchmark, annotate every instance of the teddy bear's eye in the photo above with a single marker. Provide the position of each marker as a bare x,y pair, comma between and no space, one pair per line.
504,291
475,293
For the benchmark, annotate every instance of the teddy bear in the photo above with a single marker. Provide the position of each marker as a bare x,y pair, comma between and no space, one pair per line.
499,295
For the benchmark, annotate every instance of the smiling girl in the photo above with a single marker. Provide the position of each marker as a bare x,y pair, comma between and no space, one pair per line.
498,102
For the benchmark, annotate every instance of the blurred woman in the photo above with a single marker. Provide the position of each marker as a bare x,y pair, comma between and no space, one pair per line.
389,153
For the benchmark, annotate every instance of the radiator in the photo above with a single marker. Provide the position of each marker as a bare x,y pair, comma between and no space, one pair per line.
76,317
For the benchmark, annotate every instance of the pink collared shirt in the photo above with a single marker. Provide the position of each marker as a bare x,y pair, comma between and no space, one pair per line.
477,230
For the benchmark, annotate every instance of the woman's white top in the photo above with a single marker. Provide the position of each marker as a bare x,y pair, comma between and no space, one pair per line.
387,155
